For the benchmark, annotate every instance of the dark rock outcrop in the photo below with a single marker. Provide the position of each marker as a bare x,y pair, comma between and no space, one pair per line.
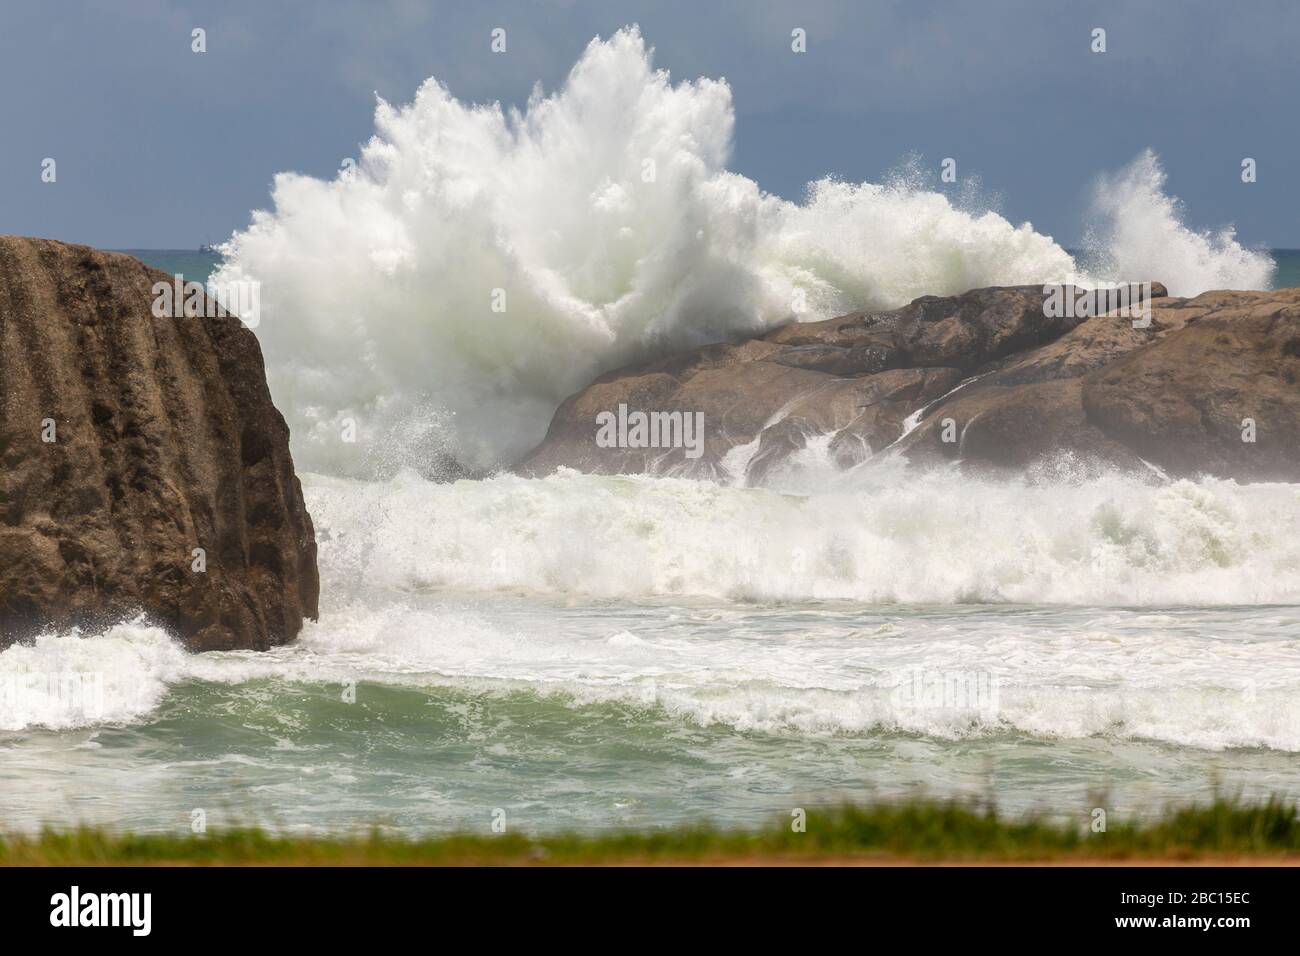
990,379
127,442
1212,387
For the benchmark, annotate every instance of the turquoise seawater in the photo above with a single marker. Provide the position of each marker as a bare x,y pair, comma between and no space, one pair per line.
586,652
1288,268
592,652
605,714
195,266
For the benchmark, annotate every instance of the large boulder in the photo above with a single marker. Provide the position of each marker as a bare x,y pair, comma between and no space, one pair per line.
1191,400
992,379
1212,387
143,467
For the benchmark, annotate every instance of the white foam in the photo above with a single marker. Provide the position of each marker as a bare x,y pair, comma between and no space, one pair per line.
932,539
1209,680
1188,678
1137,233
377,288
63,681
538,585
376,305
1202,679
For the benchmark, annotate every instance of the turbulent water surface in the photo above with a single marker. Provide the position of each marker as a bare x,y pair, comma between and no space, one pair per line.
478,266
595,652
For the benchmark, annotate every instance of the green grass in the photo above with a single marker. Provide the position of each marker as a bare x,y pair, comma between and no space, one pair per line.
920,831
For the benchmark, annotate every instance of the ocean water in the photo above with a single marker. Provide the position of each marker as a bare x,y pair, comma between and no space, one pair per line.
191,264
1288,268
594,652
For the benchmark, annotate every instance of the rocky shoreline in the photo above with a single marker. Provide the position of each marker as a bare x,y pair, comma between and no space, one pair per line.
146,470
144,467
990,380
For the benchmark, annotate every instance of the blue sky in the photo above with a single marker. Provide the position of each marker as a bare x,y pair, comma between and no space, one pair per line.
160,147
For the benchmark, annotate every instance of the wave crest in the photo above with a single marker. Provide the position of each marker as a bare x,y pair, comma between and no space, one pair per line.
934,539
603,219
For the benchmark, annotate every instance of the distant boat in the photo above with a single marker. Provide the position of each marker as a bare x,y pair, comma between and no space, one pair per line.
206,247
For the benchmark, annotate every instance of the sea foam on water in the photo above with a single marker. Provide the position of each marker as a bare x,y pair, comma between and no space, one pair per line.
479,265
